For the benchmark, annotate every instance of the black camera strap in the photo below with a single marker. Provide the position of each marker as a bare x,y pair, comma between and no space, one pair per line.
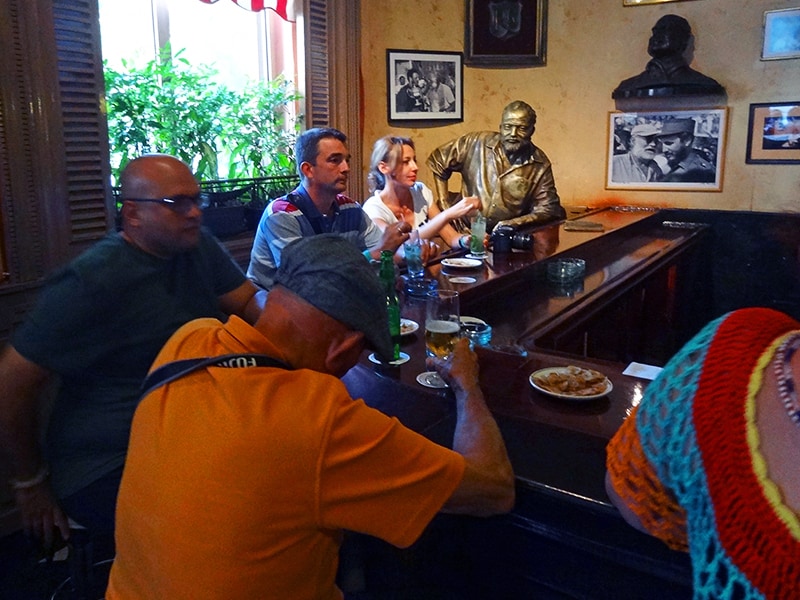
300,198
178,368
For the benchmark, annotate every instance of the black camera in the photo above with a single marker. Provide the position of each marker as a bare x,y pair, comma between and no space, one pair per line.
505,238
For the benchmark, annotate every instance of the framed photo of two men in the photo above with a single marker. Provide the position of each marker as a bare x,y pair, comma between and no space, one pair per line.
673,150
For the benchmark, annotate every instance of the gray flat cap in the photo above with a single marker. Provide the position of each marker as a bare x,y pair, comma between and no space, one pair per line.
331,274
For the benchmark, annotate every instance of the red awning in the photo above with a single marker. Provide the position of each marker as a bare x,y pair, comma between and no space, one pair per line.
284,8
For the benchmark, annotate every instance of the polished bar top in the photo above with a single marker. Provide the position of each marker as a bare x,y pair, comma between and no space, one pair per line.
554,444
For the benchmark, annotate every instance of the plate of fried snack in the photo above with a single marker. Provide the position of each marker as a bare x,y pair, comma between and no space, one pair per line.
571,383
407,326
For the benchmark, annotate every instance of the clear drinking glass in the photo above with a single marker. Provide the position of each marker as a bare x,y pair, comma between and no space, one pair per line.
477,236
442,329
413,251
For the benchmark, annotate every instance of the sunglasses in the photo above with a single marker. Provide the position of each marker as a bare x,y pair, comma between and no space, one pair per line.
181,205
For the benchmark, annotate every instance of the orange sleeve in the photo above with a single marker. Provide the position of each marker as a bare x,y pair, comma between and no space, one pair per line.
634,479
383,479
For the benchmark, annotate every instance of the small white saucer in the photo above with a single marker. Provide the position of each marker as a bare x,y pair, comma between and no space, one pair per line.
483,256
431,382
466,319
462,280
403,359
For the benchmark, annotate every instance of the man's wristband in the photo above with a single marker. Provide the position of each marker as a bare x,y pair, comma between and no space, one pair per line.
41,475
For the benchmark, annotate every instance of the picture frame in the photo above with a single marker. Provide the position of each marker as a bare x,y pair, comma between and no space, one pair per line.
641,2
420,102
781,37
506,33
680,150
773,135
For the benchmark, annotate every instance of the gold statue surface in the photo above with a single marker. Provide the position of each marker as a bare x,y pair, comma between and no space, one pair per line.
512,177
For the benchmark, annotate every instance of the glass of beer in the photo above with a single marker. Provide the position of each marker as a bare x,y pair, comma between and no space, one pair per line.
442,329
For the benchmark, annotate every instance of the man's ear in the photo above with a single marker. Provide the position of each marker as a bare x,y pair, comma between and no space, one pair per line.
343,352
305,169
130,211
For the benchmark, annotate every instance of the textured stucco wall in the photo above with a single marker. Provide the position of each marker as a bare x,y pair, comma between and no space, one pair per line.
591,47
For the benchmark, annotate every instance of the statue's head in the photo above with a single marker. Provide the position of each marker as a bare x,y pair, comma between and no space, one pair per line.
671,35
517,126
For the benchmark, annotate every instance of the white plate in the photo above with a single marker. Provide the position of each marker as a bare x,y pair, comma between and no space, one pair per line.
462,263
566,395
403,359
427,380
462,280
407,326
472,320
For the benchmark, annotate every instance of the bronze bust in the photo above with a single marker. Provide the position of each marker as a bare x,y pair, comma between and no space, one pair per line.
668,73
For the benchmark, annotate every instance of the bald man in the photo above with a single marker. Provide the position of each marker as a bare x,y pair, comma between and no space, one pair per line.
97,326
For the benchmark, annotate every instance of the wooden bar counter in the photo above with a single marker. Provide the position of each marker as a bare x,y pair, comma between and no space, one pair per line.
563,539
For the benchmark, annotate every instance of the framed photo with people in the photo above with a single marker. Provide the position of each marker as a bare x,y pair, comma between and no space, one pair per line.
425,86
773,136
670,150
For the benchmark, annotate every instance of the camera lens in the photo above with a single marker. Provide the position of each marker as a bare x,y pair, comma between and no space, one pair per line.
522,241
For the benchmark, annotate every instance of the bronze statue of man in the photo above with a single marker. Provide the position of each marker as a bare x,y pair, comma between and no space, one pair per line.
512,177
668,73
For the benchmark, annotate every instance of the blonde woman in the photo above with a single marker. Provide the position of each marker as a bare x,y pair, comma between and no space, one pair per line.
398,196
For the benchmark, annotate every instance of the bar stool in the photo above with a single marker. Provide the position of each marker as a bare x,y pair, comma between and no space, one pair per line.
87,579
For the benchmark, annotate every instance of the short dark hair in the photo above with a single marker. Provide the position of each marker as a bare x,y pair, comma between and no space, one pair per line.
306,148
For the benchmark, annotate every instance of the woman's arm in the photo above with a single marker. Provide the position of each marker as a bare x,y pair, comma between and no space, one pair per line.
439,220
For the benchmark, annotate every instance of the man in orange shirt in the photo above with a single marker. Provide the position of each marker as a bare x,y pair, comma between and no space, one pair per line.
240,481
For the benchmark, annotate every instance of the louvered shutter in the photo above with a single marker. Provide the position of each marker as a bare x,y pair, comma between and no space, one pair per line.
80,76
333,57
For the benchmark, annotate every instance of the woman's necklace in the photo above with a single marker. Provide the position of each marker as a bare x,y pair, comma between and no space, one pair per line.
787,391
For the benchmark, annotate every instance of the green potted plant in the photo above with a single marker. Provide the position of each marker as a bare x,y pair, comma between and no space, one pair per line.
175,107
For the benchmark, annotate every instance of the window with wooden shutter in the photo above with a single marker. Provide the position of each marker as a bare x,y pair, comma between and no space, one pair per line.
55,197
333,57
80,75
54,183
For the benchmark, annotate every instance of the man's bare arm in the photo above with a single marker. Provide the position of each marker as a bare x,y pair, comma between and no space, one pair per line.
21,386
487,487
246,301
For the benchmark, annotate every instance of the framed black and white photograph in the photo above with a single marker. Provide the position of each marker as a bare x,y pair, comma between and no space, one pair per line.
781,34
773,136
505,33
671,150
425,86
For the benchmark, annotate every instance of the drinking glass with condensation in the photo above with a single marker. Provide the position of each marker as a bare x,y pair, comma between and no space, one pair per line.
413,251
477,235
